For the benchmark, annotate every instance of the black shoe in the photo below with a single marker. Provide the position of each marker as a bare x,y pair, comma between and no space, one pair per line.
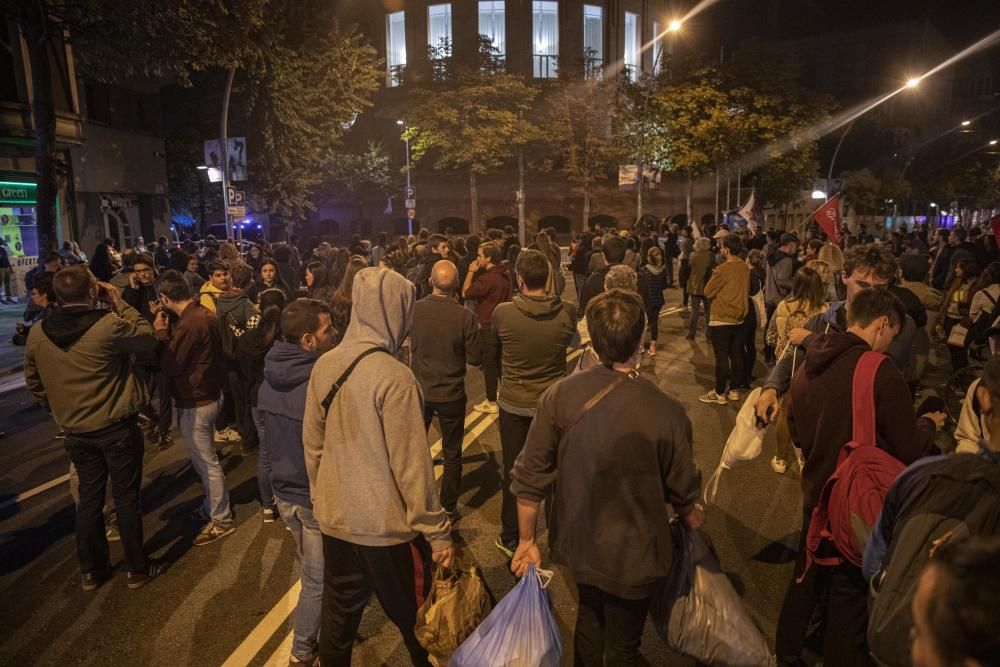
91,581
438,460
153,569
454,516
165,442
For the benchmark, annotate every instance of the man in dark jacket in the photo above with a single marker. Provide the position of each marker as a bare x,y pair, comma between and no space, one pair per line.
820,428
234,310
141,295
780,268
488,283
960,248
308,333
443,339
534,330
78,363
630,457
614,253
6,271
191,359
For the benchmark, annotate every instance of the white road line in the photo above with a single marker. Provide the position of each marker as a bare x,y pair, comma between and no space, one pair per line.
670,311
470,419
34,492
268,625
11,382
283,652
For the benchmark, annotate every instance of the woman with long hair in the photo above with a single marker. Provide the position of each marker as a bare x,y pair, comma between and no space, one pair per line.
755,260
556,283
656,282
340,308
956,307
269,277
229,255
255,258
808,298
318,282
100,264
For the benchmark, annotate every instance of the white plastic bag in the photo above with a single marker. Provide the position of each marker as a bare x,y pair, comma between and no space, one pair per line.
745,444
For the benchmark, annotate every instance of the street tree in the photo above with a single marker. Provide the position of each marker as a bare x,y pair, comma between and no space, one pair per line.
575,136
862,190
365,174
474,120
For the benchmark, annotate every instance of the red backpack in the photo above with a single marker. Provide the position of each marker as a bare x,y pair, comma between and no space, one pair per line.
852,498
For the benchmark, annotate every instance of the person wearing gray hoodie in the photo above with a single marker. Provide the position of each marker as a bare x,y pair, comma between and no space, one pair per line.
370,473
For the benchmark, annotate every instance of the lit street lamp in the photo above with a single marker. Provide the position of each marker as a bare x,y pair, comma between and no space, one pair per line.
966,123
674,26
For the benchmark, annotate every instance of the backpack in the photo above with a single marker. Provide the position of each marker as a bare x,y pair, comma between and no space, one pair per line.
960,499
852,498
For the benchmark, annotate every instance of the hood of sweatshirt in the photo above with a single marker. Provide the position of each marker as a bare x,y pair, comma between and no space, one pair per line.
65,326
538,307
382,310
288,366
777,256
828,348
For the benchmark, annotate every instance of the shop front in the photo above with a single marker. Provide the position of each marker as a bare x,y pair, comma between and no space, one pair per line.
19,228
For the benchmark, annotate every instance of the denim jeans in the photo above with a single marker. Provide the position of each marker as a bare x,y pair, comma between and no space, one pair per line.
309,545
263,464
197,427
116,452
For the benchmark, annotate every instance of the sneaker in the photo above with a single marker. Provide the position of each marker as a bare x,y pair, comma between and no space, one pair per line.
227,435
779,465
800,459
712,397
91,581
199,515
733,395
487,407
165,442
311,661
60,435
111,532
153,569
454,516
652,349
269,514
507,550
214,531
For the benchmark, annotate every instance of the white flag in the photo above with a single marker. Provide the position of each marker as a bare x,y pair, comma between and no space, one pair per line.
747,211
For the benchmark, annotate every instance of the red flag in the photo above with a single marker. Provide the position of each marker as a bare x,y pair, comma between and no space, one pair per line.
995,226
828,217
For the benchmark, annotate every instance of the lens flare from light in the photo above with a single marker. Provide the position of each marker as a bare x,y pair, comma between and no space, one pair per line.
913,82
674,26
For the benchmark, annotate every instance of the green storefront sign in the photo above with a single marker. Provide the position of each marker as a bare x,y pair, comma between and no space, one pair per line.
13,192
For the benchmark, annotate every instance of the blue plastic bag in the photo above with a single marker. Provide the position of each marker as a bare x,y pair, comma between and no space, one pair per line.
520,632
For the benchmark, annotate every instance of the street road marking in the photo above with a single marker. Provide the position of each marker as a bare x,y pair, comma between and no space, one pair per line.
284,650
268,625
12,382
671,311
42,488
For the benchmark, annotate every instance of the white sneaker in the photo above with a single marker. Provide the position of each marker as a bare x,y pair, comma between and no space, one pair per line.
779,465
487,407
712,397
733,395
801,459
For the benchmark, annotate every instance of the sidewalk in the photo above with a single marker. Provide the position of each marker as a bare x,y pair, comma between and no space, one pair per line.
11,356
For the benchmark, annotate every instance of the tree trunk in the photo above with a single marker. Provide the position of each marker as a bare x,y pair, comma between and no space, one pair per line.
586,206
473,201
689,192
43,114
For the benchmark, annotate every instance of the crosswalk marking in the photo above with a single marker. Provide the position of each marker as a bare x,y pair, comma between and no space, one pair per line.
41,488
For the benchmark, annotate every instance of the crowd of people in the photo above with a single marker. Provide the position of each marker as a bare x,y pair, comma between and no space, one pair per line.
329,364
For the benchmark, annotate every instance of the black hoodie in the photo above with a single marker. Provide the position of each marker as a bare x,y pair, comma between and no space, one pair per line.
820,418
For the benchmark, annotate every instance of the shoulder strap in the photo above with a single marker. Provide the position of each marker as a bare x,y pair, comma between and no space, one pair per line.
863,397
332,394
594,400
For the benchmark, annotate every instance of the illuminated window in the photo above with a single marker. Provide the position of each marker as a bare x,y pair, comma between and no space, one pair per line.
439,28
545,37
395,46
491,24
632,45
593,39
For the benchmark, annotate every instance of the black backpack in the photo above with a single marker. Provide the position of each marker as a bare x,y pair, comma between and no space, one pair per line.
960,499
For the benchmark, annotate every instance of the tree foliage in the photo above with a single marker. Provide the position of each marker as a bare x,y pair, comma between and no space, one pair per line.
365,175
475,120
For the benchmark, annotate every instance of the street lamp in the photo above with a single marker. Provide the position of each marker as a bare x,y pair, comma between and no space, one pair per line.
966,123
913,82
202,167
993,142
409,184
674,26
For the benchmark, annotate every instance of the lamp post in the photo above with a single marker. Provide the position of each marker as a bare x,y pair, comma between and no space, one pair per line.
911,83
409,184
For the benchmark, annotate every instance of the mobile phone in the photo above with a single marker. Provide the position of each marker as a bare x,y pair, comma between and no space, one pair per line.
103,294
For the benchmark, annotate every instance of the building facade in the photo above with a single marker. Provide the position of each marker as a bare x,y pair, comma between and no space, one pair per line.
532,37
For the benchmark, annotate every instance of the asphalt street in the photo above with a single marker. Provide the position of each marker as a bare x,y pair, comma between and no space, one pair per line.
229,603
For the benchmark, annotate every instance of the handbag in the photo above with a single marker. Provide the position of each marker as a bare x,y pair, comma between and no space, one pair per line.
958,335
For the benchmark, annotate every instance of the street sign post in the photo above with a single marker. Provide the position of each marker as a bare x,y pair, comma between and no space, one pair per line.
410,203
411,193
237,211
